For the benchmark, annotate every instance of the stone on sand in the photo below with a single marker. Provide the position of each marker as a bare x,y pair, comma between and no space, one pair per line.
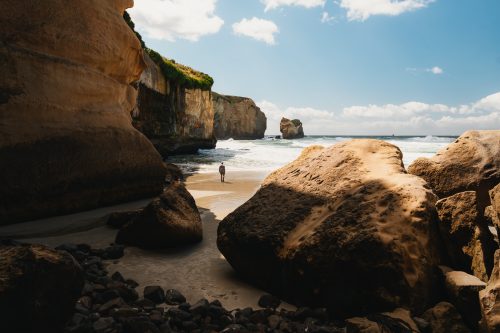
170,220
346,225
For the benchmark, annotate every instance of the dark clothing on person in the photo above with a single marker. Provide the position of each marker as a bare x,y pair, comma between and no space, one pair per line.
222,171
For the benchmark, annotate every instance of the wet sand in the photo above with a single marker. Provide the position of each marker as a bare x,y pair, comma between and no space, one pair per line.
197,271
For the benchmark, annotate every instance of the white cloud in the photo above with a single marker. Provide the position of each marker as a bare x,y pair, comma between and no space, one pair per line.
361,10
273,4
173,19
256,28
326,18
436,70
409,118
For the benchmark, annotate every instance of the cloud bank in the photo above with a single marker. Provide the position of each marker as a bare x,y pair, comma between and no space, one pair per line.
361,10
273,4
411,118
174,19
256,28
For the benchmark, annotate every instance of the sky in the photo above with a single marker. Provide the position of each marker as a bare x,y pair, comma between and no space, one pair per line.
343,67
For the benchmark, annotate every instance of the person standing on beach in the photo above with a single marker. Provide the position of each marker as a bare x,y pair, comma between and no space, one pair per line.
222,171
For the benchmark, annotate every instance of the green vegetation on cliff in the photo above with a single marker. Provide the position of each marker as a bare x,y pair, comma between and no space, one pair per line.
183,75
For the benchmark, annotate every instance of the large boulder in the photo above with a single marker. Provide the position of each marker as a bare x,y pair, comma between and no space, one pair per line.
38,288
291,129
170,220
238,118
468,241
471,163
493,211
66,93
344,227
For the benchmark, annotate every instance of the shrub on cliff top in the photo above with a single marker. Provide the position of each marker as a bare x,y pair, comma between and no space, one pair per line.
183,75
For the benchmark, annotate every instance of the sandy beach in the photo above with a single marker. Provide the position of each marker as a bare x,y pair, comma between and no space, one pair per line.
197,271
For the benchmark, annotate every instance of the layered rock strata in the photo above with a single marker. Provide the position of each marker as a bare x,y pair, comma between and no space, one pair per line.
238,118
176,119
66,138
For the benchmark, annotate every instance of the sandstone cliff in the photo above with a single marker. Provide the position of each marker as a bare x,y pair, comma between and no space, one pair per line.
175,114
66,93
238,118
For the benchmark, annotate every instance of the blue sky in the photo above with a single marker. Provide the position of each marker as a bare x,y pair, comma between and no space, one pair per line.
346,66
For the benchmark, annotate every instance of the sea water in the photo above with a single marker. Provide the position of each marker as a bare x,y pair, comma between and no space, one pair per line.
269,154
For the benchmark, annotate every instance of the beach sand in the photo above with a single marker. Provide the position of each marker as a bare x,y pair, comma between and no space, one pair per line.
197,271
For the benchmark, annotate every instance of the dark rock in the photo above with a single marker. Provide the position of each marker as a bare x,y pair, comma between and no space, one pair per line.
102,324
114,303
189,325
234,328
423,325
174,297
119,219
139,325
117,276
132,283
269,301
108,295
114,251
85,301
184,306
38,283
200,307
179,314
444,318
125,312
155,294
168,221
145,303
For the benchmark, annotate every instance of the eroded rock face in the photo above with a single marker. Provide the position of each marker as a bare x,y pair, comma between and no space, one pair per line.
471,163
493,211
343,227
38,288
469,244
238,118
66,138
174,118
490,306
168,221
291,129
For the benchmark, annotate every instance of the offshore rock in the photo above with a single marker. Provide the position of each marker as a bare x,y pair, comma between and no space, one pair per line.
291,129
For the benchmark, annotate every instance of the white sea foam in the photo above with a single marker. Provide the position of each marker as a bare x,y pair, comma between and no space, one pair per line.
269,153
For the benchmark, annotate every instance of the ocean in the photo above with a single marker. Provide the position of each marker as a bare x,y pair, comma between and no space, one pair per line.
269,154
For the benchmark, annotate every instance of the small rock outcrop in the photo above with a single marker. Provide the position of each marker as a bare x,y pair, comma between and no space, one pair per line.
493,211
347,226
490,304
38,288
238,118
467,239
471,163
168,221
291,129
176,117
444,318
66,92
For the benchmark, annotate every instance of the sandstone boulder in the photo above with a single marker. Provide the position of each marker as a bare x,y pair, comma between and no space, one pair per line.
493,211
398,320
469,243
168,221
471,163
238,118
344,227
444,318
463,292
66,93
291,129
38,288
490,302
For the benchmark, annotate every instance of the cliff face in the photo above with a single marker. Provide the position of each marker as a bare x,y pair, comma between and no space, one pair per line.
238,118
66,138
176,119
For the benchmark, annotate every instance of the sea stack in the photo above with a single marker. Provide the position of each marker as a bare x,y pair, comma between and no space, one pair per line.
238,118
291,129
67,90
